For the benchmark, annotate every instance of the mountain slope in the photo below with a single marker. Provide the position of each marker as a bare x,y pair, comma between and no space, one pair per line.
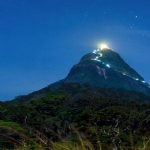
106,69
116,118
101,69
102,102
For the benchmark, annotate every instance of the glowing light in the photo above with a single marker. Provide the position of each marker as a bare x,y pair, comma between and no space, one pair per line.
143,81
101,55
107,65
137,79
98,60
95,51
103,46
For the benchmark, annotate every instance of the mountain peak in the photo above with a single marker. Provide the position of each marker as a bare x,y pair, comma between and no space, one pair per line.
105,68
111,59
103,46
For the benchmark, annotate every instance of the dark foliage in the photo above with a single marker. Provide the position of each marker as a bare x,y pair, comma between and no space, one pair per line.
115,115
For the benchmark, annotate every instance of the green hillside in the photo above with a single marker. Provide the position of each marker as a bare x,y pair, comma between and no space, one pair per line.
76,117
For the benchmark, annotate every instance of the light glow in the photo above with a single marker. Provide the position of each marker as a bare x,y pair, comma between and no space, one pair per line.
103,46
101,55
95,51
107,65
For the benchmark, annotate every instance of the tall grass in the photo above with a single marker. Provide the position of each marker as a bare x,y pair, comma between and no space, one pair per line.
82,143
75,141
87,145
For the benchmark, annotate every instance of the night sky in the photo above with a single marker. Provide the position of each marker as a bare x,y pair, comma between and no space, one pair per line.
40,40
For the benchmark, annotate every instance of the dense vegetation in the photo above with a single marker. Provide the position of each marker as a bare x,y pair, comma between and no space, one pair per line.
76,117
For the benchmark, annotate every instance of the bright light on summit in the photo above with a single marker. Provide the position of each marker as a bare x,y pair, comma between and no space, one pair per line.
103,46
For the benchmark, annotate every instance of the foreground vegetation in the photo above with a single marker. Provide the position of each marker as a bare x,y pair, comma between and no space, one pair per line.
76,118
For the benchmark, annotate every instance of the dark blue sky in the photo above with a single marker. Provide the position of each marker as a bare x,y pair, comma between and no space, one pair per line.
40,40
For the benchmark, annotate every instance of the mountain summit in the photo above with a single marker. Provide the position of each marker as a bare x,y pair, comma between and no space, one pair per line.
104,68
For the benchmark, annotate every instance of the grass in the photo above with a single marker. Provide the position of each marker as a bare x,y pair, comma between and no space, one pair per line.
86,145
11,126
77,141
14,136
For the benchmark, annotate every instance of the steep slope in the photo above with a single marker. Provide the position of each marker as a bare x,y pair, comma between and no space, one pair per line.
101,69
106,69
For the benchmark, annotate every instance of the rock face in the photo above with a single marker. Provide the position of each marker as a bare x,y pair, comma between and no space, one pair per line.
106,69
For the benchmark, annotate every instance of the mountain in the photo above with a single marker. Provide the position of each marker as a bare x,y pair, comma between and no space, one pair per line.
106,69
101,69
102,104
